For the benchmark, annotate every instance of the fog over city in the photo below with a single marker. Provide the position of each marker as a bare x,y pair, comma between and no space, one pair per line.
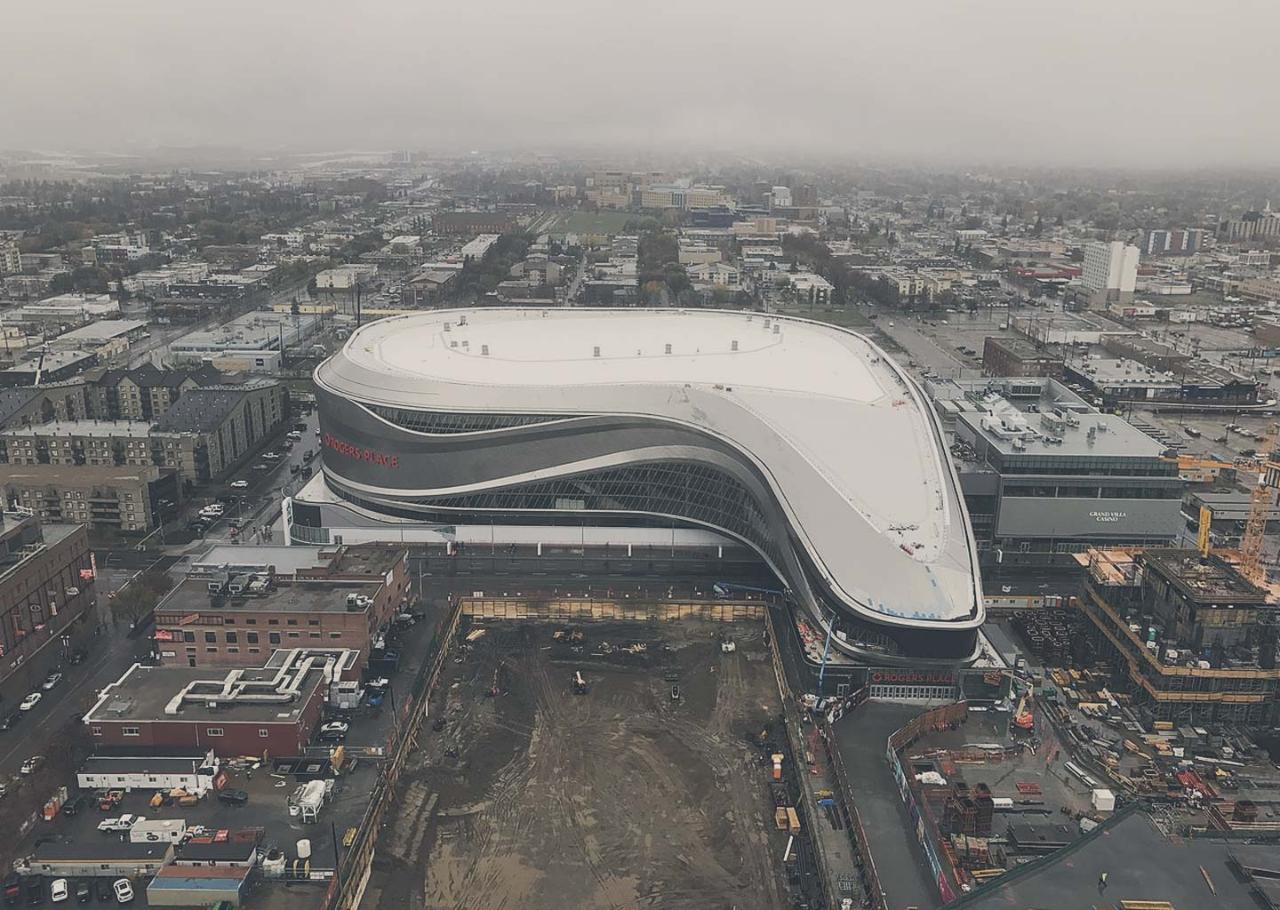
1092,83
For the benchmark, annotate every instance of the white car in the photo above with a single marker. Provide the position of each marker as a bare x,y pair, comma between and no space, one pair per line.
52,680
239,484
123,890
58,891
31,765
335,726
30,701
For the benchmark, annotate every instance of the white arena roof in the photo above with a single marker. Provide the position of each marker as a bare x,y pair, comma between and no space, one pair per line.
849,444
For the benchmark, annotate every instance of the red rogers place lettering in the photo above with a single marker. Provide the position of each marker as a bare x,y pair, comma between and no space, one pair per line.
360,454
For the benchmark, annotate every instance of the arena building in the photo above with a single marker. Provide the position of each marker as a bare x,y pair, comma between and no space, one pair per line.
802,440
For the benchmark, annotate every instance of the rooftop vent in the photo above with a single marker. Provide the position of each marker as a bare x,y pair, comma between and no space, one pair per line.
777,329
668,350
595,351
733,345
484,350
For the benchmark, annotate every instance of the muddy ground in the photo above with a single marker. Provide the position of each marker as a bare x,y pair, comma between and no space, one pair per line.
538,797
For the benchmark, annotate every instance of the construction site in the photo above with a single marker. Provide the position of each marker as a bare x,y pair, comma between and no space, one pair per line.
612,764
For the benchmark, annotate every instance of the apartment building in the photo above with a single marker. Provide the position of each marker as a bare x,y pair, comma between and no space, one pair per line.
111,498
1110,272
143,393
46,597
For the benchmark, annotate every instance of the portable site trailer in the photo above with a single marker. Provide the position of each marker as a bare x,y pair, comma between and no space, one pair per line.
158,830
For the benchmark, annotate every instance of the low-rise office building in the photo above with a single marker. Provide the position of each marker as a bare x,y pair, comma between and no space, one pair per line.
106,337
1194,382
1194,640
270,710
46,596
1044,475
232,618
47,366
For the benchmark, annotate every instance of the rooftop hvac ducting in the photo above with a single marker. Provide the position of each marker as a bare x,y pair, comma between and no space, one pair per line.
232,689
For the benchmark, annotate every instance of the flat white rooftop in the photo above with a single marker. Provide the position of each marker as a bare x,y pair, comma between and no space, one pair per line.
851,447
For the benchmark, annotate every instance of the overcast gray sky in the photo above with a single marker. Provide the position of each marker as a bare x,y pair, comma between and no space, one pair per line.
1086,82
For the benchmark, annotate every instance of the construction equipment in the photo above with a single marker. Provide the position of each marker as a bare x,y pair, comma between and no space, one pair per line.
1022,717
1255,529
1202,530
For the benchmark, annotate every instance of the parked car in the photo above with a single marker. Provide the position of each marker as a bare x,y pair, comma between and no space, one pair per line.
59,891
83,891
30,701
332,736
12,888
78,656
103,889
123,890
233,797
50,681
239,484
35,889
31,765
335,726
75,805
11,721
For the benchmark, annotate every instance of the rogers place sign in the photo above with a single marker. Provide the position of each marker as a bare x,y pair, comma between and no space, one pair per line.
359,453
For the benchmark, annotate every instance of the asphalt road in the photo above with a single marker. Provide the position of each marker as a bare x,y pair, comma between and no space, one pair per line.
111,654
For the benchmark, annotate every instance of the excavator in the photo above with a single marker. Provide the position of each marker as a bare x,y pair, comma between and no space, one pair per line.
1022,717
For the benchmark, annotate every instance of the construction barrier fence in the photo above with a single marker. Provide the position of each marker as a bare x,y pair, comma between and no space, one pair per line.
347,887
927,834
582,609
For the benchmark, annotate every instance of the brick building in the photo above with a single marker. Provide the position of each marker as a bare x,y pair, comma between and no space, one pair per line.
235,616
46,598
268,710
472,223
1016,357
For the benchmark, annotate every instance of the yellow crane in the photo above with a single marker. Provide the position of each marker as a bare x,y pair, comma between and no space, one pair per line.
1255,529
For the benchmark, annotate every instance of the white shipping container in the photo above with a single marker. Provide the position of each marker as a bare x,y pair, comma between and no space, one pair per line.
1104,801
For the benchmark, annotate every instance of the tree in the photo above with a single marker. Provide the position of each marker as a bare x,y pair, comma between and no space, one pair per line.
139,597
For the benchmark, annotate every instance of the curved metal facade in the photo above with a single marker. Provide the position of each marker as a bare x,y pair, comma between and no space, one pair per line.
518,465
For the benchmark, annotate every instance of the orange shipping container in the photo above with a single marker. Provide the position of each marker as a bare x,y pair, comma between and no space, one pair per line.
780,818
793,821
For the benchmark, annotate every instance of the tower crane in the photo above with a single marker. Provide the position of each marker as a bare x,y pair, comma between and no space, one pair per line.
1255,529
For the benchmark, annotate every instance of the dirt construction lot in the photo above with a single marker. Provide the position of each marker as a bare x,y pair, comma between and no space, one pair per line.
540,797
